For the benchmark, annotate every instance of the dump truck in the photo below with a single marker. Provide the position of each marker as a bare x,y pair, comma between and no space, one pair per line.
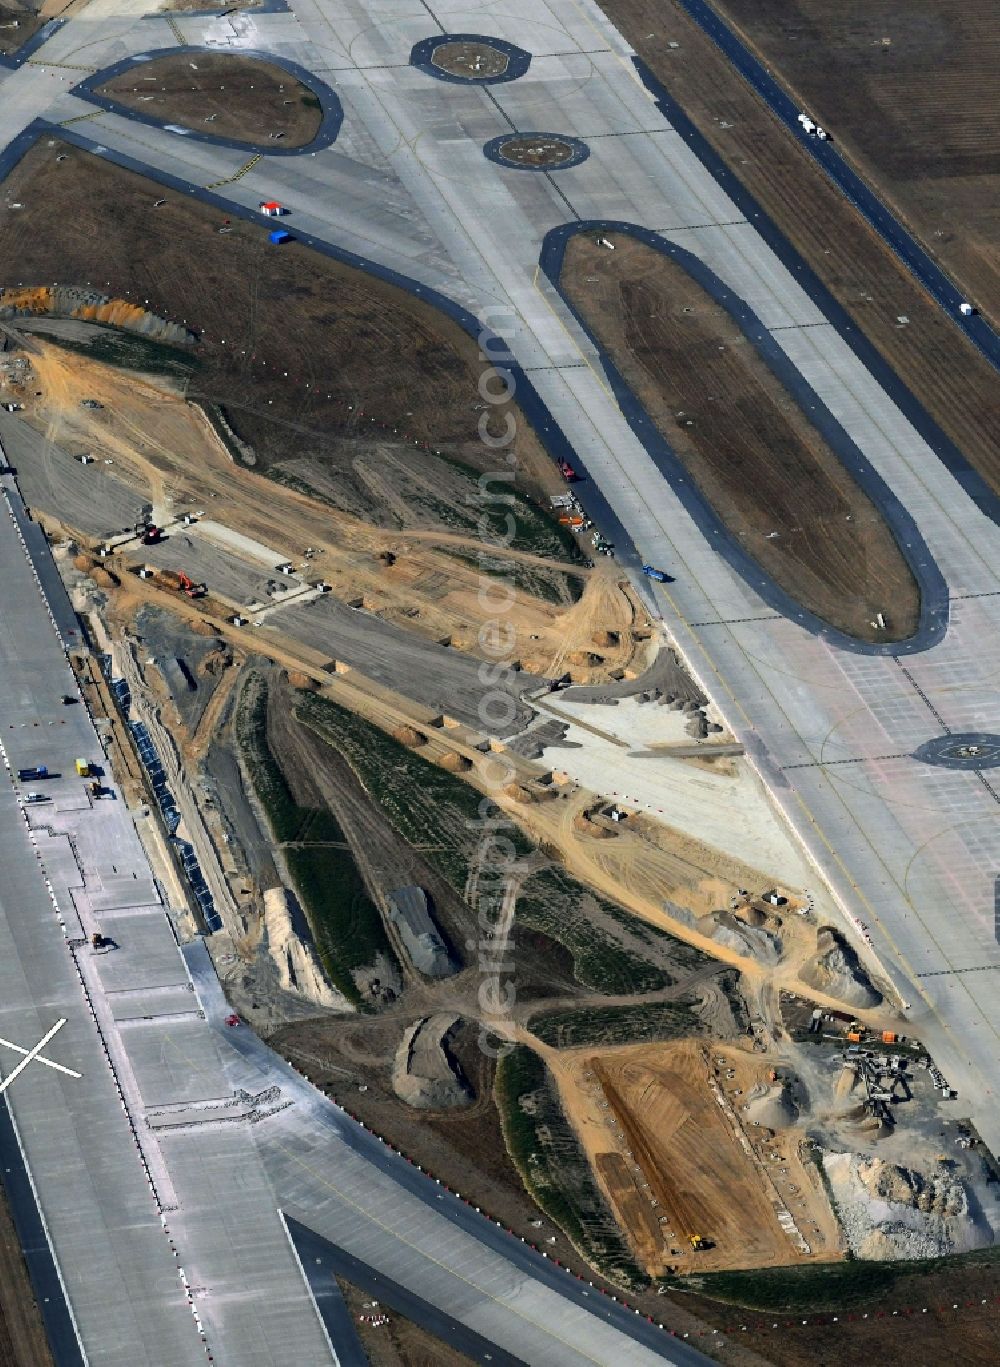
83,768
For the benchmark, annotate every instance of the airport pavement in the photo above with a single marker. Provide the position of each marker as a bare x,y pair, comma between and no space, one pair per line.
911,850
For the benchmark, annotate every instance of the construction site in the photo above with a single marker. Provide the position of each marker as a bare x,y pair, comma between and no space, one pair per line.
634,1028
311,701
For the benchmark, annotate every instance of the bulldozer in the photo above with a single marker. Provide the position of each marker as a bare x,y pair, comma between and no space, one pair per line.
699,1243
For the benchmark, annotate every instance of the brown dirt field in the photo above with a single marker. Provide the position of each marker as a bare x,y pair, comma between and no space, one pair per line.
22,1336
360,348
895,1331
400,1343
28,23
915,115
755,455
223,94
953,381
664,1147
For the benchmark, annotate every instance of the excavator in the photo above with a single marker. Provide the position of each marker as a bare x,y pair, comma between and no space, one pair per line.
189,587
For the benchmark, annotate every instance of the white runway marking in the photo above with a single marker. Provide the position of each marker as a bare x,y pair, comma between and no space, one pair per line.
33,1055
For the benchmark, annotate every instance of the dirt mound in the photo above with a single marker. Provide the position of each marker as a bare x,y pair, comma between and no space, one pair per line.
84,563
836,971
294,954
302,681
201,628
752,941
455,764
585,657
423,1073
773,1108
889,1211
583,824
101,577
847,1084
71,301
519,793
607,639
406,735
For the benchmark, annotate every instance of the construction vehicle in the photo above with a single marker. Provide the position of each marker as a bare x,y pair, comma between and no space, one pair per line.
83,768
232,1019
32,798
699,1243
69,698
660,576
151,535
97,940
33,771
567,471
189,587
94,788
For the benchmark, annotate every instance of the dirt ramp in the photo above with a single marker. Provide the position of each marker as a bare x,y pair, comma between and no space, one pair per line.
424,1074
836,971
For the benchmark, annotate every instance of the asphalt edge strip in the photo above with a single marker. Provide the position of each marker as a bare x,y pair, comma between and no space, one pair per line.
36,1247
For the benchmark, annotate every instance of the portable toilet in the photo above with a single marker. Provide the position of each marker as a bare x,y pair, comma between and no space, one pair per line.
278,236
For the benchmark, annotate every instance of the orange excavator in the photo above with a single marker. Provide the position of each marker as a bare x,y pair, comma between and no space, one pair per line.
189,587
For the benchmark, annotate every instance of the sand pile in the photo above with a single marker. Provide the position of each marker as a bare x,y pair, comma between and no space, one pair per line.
606,639
455,764
423,1074
84,563
751,941
836,971
406,735
73,301
518,793
302,681
773,1107
888,1211
294,954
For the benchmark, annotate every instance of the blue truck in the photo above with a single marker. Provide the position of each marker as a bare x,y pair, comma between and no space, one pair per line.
660,576
34,771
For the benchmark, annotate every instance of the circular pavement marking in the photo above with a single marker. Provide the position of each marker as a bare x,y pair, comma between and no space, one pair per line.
536,151
968,750
470,59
